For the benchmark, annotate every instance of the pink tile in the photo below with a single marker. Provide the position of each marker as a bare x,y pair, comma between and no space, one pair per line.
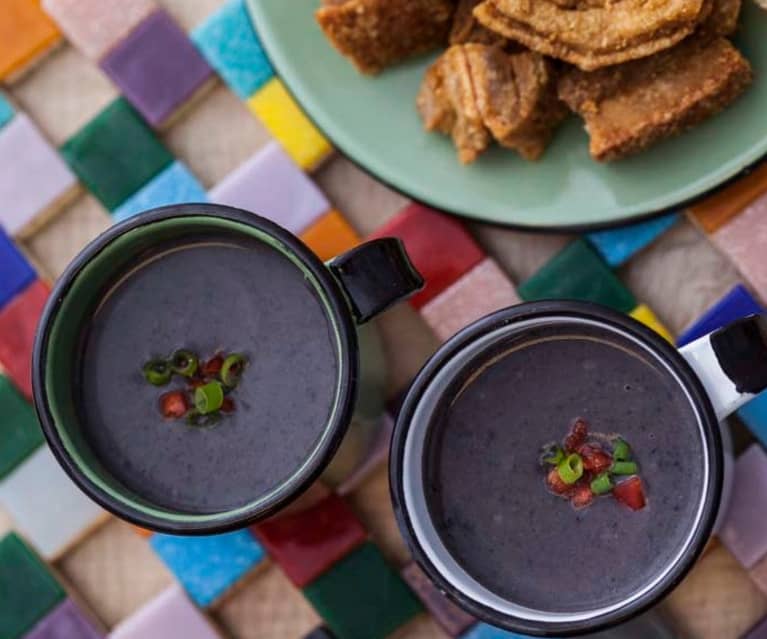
744,241
170,615
481,291
66,621
95,26
759,631
759,574
273,186
745,527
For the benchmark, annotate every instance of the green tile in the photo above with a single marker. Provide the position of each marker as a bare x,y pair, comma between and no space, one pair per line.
116,153
20,433
28,591
361,597
578,273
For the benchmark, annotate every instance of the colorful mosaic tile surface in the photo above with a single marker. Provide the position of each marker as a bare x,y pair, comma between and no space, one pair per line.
110,107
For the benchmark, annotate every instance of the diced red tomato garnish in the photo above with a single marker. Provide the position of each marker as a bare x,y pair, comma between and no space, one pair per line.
212,367
173,405
631,493
578,434
582,496
228,405
197,382
556,485
595,460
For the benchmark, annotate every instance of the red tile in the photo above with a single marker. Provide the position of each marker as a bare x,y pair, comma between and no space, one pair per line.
18,323
307,544
439,246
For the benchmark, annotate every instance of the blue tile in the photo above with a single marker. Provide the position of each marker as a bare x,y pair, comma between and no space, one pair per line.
208,566
618,245
229,43
6,111
754,415
486,631
174,185
736,304
15,272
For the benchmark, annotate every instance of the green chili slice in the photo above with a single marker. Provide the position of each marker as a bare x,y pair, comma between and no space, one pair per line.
624,468
621,451
601,484
231,369
184,362
570,469
208,398
157,372
554,456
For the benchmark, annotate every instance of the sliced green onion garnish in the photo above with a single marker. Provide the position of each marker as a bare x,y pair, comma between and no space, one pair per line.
624,468
184,363
208,398
157,372
601,484
231,369
621,451
554,456
570,469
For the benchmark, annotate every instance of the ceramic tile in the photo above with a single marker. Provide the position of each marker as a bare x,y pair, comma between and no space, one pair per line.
714,212
157,67
320,633
285,120
17,272
744,241
26,33
644,314
19,430
208,566
486,631
736,304
745,527
173,185
6,111
29,590
170,615
617,246
759,631
759,574
116,154
479,292
34,177
46,506
362,596
754,416
307,543
578,272
95,26
375,458
230,44
18,322
439,246
66,621
449,616
270,184
330,236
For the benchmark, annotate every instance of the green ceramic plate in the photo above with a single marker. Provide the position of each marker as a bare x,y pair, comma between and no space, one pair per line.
374,122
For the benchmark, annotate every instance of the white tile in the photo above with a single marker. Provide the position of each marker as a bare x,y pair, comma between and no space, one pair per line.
46,506
273,186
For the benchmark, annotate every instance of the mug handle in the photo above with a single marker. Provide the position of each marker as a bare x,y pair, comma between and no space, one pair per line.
376,275
732,363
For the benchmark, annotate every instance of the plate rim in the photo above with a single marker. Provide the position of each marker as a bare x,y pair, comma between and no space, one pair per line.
731,174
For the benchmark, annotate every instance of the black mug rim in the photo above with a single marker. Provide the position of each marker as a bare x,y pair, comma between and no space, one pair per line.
349,370
577,310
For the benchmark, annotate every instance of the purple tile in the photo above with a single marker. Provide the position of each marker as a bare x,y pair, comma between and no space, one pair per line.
759,631
745,527
452,619
157,67
66,621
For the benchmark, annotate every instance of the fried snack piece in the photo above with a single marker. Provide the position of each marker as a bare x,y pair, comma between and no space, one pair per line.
375,34
629,107
591,34
466,28
477,92
724,18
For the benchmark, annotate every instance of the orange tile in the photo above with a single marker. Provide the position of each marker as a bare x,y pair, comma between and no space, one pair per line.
25,33
143,532
714,212
330,236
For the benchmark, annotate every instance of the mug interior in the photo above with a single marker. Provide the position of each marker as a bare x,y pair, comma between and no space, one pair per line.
414,440
57,358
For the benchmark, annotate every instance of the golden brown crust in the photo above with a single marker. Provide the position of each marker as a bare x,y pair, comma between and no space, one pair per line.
592,35
375,34
466,28
724,18
630,107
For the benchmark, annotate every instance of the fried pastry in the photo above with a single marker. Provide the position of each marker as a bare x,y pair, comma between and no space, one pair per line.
724,18
375,34
477,92
629,107
594,33
466,28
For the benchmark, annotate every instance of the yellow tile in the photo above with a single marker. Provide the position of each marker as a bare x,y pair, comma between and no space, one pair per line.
643,314
330,236
26,32
274,106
